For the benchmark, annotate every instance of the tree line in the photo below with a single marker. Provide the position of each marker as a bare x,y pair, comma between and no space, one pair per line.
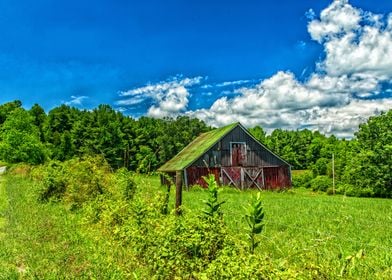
363,165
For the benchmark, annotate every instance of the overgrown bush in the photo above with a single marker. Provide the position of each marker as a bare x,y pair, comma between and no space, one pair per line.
53,181
320,167
321,183
350,190
301,178
236,263
75,181
123,184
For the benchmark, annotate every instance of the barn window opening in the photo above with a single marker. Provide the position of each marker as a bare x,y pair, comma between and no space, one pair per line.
238,153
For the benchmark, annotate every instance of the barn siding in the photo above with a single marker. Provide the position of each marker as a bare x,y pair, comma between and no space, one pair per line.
256,155
260,168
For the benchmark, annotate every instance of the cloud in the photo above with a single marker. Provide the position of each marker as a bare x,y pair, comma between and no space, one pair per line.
232,83
339,17
169,98
344,90
310,14
76,100
341,94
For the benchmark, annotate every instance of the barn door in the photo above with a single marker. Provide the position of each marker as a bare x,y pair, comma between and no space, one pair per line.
271,175
243,178
253,178
238,153
232,176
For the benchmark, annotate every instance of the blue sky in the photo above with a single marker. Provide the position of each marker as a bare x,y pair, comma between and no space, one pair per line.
221,61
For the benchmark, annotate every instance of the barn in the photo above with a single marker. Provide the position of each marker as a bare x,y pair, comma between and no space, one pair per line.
235,158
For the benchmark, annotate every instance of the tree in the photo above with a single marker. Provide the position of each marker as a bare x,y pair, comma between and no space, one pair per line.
258,133
39,119
7,108
371,166
19,139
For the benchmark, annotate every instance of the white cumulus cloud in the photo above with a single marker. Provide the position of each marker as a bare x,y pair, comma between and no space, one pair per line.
339,17
169,98
343,92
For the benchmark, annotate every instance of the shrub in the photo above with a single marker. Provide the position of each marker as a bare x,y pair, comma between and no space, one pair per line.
235,263
86,179
321,183
75,181
320,167
302,178
53,181
350,190
123,184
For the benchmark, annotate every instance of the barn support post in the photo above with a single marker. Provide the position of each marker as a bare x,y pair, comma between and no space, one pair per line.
262,177
178,192
186,180
242,178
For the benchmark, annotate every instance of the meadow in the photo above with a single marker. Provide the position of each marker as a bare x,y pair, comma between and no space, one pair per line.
307,235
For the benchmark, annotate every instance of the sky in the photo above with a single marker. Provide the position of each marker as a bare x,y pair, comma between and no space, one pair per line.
321,65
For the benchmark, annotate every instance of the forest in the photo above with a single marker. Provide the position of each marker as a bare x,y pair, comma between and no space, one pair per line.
362,165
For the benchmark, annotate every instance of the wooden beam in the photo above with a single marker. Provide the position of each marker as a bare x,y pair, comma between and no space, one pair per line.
254,180
231,180
178,192
186,180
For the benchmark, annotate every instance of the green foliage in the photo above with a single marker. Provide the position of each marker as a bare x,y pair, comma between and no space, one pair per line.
301,178
258,133
321,183
371,164
7,108
75,181
254,219
306,236
86,179
19,139
212,204
320,167
124,183
234,263
53,181
143,145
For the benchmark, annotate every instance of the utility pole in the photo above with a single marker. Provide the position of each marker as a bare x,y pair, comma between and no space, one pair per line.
333,173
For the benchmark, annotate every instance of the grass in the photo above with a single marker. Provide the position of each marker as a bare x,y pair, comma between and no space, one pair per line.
333,236
303,227
47,241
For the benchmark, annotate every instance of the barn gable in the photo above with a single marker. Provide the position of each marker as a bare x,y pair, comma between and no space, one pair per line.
234,156
196,149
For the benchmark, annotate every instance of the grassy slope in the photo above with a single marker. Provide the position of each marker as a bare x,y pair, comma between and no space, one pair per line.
304,228
47,241
310,231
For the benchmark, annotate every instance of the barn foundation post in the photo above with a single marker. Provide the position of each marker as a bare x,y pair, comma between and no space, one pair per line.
178,192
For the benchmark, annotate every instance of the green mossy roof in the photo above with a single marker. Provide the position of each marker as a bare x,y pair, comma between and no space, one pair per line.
196,149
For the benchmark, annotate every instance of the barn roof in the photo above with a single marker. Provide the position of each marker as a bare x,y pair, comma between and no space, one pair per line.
196,149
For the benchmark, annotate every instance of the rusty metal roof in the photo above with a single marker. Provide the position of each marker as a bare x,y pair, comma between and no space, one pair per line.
196,149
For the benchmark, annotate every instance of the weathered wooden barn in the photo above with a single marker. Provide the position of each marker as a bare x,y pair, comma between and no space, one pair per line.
234,156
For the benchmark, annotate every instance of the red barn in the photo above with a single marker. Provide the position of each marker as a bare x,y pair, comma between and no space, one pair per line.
234,156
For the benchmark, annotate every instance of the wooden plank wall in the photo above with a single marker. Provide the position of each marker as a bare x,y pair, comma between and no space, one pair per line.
195,175
219,154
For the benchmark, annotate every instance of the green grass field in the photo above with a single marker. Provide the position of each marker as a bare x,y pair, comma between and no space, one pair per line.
334,236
